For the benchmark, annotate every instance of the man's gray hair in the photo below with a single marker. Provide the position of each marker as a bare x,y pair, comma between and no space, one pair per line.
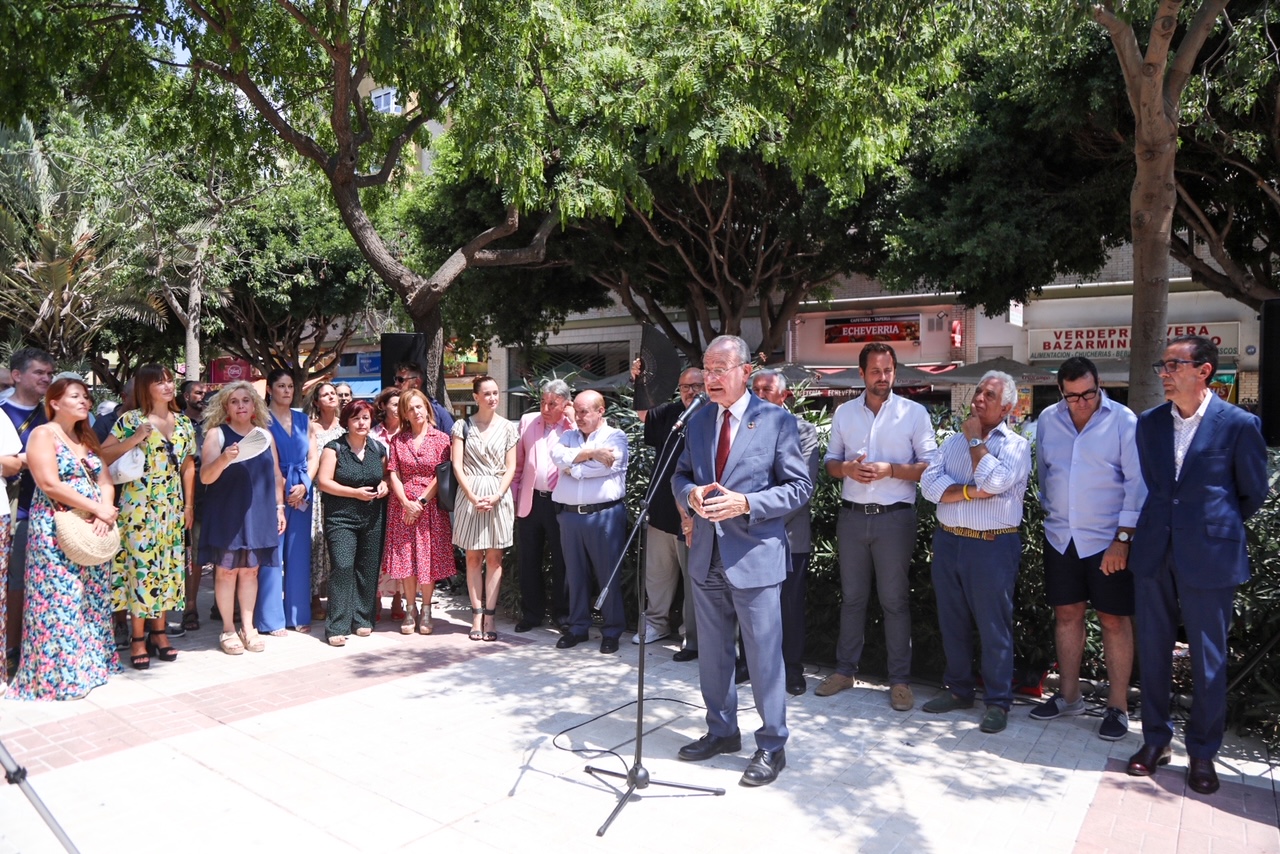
559,388
771,372
1009,389
734,343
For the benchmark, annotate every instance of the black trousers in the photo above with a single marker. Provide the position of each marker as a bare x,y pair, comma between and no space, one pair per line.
535,534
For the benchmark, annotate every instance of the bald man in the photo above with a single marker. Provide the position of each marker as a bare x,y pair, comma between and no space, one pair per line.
588,495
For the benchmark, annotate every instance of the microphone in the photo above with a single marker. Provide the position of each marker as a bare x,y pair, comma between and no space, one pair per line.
694,405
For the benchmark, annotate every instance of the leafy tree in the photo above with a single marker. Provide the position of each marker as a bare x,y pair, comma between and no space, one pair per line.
296,288
60,247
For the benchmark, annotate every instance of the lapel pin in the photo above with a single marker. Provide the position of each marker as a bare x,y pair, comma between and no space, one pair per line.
751,425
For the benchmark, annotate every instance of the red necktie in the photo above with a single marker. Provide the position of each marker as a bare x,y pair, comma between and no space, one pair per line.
722,447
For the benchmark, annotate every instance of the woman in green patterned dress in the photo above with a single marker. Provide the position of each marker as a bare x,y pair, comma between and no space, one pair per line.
155,510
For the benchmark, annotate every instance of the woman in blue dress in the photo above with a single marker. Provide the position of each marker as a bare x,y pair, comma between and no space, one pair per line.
67,647
299,459
244,511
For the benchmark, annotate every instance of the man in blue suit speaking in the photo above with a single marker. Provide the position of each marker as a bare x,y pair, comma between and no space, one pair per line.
741,473
1205,466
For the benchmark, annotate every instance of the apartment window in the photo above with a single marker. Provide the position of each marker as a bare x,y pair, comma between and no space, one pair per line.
385,100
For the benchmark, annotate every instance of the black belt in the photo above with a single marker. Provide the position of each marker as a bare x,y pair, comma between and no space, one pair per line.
538,493
584,509
874,509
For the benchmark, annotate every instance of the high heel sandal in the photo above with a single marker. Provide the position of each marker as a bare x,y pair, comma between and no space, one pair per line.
489,612
164,653
409,622
477,634
424,620
141,662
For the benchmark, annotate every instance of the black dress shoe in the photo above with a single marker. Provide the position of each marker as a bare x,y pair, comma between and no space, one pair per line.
527,625
740,672
795,681
570,640
710,745
764,767
685,655
1145,762
1201,776
608,645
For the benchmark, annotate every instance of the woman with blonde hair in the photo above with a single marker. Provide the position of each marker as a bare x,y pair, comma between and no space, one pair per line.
418,549
484,462
156,510
67,647
245,510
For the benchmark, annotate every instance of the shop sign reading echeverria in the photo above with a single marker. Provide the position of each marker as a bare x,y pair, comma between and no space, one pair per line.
1112,342
864,330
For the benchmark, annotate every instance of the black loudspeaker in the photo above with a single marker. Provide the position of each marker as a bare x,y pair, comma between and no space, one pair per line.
401,348
1269,378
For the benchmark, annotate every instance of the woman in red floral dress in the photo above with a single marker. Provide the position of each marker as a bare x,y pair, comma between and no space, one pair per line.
419,550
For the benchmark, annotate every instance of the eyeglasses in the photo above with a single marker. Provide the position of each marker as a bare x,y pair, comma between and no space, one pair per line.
717,373
691,386
1085,396
1170,366
401,379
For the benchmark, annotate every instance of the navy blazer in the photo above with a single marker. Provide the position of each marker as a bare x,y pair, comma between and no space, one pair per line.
765,464
1199,517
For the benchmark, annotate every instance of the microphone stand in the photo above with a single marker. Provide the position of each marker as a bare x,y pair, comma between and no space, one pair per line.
16,775
637,776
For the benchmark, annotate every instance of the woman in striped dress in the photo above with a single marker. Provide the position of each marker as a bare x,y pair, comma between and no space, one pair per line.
484,462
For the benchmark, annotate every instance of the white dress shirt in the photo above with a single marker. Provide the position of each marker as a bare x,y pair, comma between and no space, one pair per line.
590,482
900,433
1090,480
1184,430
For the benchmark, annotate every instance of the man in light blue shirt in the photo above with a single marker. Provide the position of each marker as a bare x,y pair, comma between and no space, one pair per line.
978,480
1091,489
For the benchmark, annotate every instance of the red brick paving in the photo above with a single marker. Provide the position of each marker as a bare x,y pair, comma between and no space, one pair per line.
104,731
1136,815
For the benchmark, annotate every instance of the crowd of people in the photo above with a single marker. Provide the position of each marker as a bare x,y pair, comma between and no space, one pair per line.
304,517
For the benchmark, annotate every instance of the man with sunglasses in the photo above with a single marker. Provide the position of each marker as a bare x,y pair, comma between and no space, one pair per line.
1205,466
1091,490
409,375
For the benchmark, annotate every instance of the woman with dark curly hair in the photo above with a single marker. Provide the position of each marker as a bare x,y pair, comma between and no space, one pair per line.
352,477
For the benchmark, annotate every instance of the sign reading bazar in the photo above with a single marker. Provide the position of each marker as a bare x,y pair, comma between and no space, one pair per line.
864,330
1112,342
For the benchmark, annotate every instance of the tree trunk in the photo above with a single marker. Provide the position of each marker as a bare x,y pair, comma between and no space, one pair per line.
195,306
1151,203
431,324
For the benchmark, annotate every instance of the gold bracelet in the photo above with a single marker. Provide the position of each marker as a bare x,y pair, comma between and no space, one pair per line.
965,490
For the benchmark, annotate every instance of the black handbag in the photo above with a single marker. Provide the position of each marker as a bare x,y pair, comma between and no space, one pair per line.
446,480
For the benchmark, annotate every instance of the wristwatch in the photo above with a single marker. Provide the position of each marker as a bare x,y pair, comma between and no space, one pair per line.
423,500
973,443
1124,537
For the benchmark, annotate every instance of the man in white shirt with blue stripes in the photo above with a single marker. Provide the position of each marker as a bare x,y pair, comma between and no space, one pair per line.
880,445
1091,489
979,480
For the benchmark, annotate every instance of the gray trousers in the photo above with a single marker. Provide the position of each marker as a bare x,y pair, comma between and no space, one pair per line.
666,559
877,545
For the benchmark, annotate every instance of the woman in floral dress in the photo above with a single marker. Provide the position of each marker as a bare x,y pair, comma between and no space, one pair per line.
419,550
324,429
156,510
67,647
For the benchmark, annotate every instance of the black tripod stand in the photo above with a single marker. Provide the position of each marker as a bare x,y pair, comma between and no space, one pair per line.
637,776
16,775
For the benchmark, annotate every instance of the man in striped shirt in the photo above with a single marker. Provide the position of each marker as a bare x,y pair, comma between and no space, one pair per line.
978,480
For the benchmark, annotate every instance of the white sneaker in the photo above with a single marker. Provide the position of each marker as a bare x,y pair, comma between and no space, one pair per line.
652,635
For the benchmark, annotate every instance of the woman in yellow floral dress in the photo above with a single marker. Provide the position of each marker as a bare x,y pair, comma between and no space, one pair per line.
155,510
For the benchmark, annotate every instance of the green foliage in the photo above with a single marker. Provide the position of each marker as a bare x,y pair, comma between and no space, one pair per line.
1254,664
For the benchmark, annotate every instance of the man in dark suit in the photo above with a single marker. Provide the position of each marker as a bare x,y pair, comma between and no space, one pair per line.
741,473
1204,464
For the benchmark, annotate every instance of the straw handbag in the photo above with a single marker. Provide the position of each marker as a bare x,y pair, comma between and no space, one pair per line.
77,539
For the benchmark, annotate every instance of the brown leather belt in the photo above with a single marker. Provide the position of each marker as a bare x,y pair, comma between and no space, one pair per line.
978,535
